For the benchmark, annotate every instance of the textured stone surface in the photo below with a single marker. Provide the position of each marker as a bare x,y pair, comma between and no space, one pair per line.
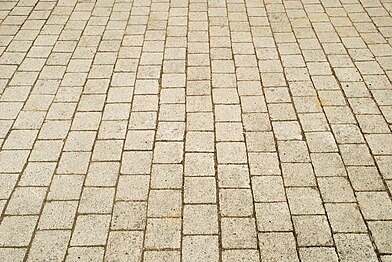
195,130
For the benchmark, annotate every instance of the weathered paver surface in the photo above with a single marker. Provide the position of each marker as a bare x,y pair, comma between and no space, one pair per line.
195,130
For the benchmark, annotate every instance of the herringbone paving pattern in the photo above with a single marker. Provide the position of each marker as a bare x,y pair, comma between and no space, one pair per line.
196,130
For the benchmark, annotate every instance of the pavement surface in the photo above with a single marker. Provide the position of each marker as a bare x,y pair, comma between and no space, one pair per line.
195,130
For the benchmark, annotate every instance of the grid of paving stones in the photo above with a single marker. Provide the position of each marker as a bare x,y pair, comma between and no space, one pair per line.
195,130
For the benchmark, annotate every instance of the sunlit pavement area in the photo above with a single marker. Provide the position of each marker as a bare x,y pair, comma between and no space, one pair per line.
195,130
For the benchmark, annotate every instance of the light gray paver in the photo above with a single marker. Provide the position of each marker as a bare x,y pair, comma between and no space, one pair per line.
195,130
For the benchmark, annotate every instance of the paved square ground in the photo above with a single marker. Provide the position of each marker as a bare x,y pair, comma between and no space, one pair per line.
196,130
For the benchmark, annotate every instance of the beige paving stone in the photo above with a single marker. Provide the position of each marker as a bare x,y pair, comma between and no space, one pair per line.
58,215
73,163
293,151
80,141
195,130
268,188
229,132
200,248
327,164
260,142
365,178
26,201
54,129
124,245
264,164
102,174
277,246
236,202
20,139
356,154
200,219
107,150
233,176
7,186
12,161
345,217
12,225
304,200
164,203
298,174
163,233
170,131
15,254
96,200
134,187
354,246
321,142
273,217
46,150
162,255
287,130
49,244
136,162
238,233
318,254
199,164
377,143
66,187
383,163
247,255
335,189
381,231
312,231
90,230
199,190
375,205
85,253
168,152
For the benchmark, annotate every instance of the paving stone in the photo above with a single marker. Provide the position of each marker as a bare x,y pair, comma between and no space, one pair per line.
318,254
312,231
85,253
271,193
124,245
199,190
102,174
90,230
195,130
58,215
375,205
49,244
264,164
136,162
133,187
12,161
277,246
345,217
304,200
96,200
381,231
247,255
236,202
354,246
26,201
163,233
12,225
238,233
162,255
335,189
164,203
273,217
200,248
